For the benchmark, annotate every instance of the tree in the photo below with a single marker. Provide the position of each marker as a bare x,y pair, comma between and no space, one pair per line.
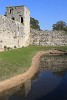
60,25
34,23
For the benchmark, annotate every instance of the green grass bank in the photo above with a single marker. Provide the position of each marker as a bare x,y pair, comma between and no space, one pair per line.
17,61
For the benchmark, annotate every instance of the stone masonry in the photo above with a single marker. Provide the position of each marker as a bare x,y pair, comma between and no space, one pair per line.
48,38
15,27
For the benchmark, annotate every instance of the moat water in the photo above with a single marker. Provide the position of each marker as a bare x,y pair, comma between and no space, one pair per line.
50,83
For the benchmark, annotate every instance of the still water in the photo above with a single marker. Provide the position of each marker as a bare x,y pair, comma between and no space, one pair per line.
50,82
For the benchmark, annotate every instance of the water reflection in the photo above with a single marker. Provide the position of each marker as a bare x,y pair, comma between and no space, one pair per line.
52,80
55,63
17,93
50,83
45,84
59,92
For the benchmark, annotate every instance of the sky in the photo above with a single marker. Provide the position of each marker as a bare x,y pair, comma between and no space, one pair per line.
47,12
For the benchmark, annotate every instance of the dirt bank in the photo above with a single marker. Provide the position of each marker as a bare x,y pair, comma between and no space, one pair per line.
20,79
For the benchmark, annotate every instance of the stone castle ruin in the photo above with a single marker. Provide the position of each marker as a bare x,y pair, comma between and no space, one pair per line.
15,30
15,27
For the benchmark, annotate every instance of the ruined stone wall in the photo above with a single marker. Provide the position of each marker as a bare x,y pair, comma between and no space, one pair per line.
15,12
26,19
11,33
22,15
51,38
15,30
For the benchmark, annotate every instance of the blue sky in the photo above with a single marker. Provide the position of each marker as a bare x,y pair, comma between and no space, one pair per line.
48,12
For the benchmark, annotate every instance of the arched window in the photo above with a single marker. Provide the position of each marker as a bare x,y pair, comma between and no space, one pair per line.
10,11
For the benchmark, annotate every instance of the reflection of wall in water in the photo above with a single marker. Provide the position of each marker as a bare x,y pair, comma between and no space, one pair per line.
54,63
19,91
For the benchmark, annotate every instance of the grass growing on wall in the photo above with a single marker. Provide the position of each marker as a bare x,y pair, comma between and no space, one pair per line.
18,60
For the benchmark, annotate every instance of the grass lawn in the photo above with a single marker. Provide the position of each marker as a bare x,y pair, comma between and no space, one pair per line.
17,61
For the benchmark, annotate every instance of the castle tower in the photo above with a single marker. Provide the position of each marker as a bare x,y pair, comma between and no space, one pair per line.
22,15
